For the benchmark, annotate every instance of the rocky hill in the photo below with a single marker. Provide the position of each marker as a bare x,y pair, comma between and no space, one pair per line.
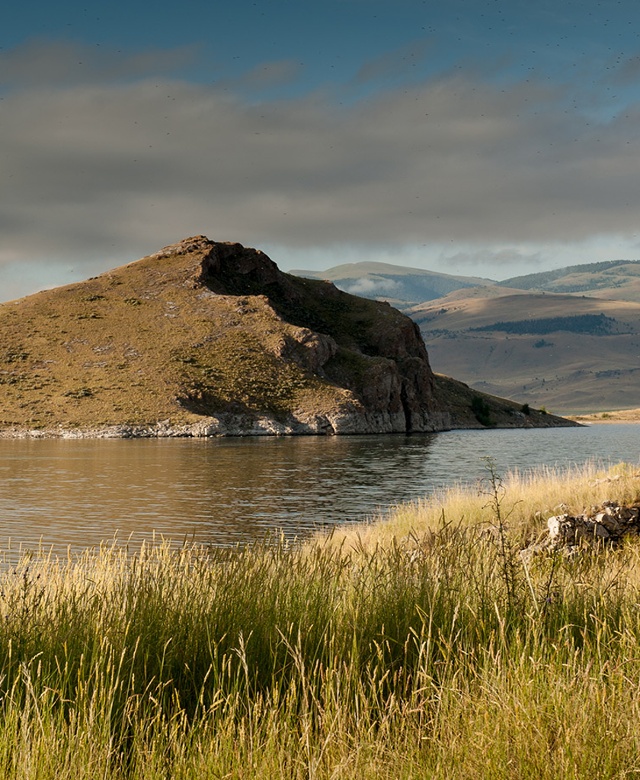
205,338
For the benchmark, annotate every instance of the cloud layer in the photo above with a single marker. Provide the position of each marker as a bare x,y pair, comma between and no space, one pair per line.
104,167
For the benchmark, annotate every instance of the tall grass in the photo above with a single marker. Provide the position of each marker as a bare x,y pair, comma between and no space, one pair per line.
435,653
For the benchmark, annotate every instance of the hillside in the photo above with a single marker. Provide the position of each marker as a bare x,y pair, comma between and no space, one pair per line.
569,353
530,337
617,279
206,338
399,285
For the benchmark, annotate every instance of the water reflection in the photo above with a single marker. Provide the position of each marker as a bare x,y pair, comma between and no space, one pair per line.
221,491
224,491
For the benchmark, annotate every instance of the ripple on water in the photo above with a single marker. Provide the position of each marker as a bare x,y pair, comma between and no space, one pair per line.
226,491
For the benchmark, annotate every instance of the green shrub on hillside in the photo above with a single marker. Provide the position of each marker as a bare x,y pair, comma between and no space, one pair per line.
481,410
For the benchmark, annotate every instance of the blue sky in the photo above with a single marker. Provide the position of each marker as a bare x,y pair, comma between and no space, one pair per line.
481,138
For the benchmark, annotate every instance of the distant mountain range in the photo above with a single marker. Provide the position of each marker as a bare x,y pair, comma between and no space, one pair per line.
618,279
567,339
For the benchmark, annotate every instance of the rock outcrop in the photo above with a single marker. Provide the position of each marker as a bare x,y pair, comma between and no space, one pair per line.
604,525
204,339
389,381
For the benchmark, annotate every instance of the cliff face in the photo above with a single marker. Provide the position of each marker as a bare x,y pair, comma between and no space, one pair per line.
206,338
374,352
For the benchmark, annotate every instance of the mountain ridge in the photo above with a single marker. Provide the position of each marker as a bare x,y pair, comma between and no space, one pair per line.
402,285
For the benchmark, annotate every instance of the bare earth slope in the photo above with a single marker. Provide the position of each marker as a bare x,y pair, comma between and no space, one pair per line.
206,338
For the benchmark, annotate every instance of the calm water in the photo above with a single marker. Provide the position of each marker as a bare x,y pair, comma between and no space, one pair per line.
79,493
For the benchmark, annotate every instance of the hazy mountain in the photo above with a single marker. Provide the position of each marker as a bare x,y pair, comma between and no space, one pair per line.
399,285
619,279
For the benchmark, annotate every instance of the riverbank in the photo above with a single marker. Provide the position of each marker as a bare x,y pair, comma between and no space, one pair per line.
525,502
418,646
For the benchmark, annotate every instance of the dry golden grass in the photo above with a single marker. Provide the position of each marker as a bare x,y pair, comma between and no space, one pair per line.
526,500
146,343
332,662
617,416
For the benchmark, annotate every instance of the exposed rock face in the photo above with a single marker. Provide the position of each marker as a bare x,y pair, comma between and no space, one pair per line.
394,389
233,269
212,339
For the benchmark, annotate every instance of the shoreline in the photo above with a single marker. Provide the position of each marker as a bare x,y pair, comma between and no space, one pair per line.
607,418
264,425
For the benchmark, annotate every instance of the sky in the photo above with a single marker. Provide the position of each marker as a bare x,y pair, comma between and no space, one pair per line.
485,138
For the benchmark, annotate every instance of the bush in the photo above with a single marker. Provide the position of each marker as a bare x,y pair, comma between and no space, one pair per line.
481,410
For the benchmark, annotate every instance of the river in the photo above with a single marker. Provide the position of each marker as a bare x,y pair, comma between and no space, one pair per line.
63,494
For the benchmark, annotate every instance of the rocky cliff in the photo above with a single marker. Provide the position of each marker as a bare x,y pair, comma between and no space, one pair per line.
205,338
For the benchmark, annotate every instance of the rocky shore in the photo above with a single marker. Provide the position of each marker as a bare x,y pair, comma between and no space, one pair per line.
229,425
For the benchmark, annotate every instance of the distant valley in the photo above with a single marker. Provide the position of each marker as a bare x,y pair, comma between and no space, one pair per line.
568,339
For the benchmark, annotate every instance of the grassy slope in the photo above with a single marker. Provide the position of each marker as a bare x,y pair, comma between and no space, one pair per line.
125,346
565,372
494,411
419,648
617,279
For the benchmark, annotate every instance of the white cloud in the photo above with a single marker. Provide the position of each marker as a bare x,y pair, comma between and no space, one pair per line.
368,286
